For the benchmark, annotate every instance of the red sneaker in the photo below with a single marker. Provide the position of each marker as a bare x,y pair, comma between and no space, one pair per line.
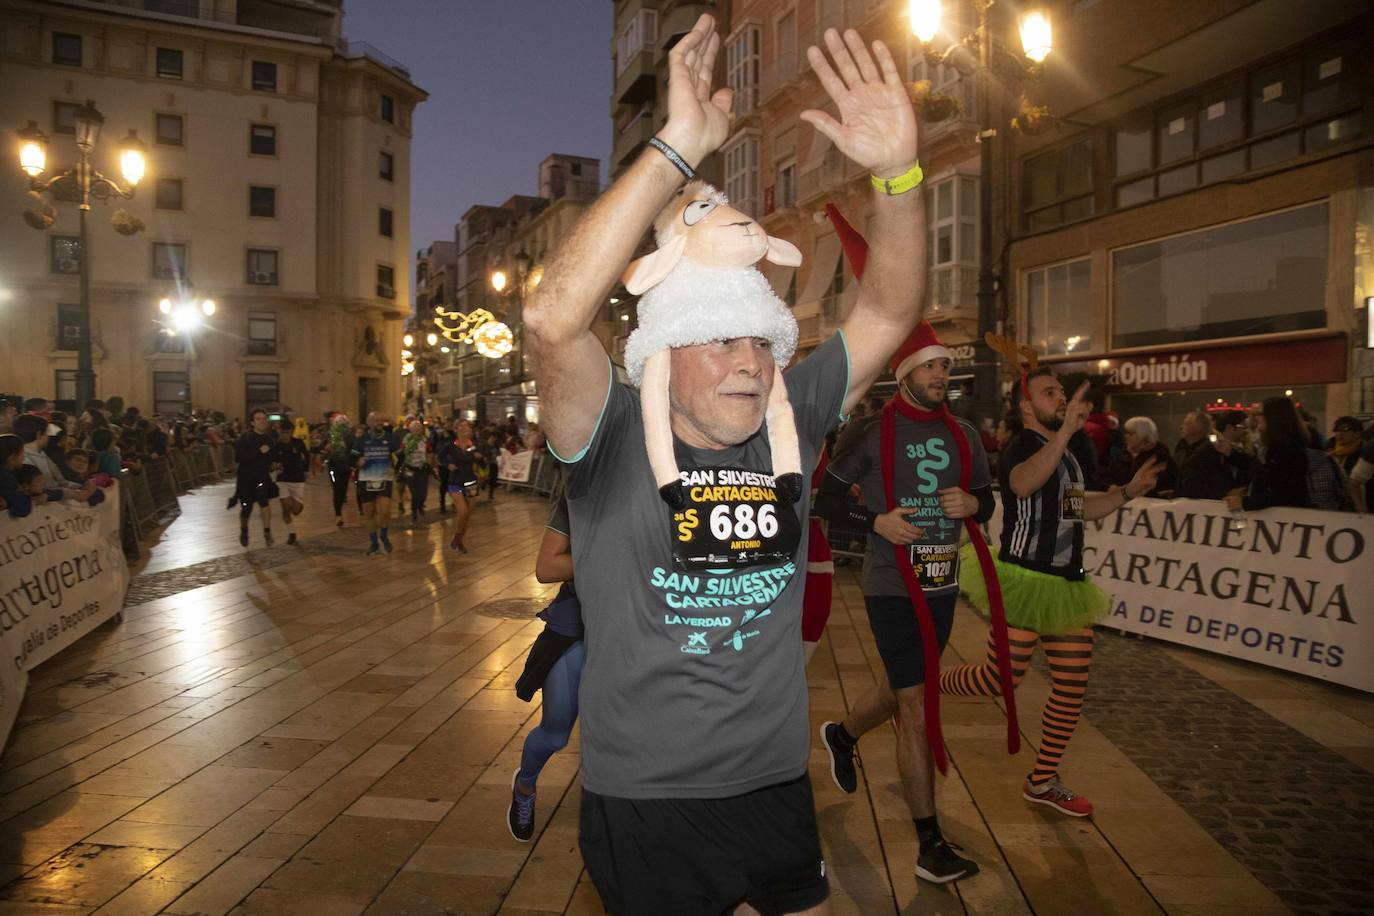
1054,794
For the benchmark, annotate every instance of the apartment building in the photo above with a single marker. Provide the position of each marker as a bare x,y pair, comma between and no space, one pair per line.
277,185
515,240
1197,231
783,172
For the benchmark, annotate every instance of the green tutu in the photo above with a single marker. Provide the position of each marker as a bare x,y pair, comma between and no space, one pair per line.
1035,601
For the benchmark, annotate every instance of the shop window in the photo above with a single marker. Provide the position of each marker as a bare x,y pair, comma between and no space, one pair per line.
1059,307
1260,276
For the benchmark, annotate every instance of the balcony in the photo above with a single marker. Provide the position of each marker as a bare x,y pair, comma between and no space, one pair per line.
677,18
637,82
827,175
962,90
631,140
952,293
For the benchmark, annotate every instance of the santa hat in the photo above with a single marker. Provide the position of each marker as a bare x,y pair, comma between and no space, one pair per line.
920,345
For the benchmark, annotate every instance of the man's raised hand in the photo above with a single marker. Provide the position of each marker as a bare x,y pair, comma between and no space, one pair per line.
877,126
698,120
1076,414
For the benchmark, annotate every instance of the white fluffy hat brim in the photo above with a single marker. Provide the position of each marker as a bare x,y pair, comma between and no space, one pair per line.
696,305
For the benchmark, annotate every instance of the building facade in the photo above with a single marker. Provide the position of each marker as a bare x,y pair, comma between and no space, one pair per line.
277,185
515,240
1196,233
784,172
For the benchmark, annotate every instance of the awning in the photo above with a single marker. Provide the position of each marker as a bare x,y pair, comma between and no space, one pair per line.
822,270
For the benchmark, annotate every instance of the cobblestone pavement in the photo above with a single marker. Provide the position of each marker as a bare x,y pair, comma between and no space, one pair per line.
1298,815
307,730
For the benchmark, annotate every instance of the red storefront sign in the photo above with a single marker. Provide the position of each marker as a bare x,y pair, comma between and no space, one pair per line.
1306,361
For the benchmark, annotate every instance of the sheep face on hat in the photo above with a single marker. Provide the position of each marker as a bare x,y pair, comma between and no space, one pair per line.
712,335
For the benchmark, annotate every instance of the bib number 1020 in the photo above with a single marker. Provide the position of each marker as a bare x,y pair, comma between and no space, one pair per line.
742,522
939,569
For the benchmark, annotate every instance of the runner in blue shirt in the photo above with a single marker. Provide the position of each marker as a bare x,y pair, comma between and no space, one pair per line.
374,453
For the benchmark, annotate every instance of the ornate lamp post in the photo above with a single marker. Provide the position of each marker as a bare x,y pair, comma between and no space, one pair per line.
982,54
82,182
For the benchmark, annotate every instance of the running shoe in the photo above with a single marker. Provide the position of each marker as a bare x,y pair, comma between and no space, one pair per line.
841,760
1054,794
291,538
267,536
386,544
373,550
243,536
339,521
942,864
520,817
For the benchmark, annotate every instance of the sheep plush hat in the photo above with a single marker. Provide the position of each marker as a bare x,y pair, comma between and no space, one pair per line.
701,284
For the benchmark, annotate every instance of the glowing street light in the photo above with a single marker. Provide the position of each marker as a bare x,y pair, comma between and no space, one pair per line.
431,338
498,280
1036,39
408,340
925,19
33,150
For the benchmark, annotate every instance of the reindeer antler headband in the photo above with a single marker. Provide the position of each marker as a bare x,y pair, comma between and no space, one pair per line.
1014,354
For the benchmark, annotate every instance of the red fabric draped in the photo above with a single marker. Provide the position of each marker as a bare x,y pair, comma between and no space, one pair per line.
918,599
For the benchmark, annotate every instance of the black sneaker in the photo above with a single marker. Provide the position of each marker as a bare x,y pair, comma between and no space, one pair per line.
373,550
243,536
267,536
291,538
841,760
942,864
386,543
520,817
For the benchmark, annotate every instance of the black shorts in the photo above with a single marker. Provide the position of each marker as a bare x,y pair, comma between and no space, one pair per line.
898,634
704,856
371,490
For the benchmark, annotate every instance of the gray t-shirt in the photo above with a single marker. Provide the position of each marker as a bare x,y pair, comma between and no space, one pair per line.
694,685
927,461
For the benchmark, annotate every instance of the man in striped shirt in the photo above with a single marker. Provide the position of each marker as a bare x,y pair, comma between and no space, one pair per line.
1049,598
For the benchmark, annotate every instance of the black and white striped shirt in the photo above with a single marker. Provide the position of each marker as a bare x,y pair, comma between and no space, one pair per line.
1043,531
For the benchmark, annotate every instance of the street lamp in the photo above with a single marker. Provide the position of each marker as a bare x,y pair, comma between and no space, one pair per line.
991,59
87,183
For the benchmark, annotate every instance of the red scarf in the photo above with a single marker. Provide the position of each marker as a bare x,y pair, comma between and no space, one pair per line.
917,595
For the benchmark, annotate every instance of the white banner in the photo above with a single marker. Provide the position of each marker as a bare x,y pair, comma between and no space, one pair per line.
514,468
62,574
1289,589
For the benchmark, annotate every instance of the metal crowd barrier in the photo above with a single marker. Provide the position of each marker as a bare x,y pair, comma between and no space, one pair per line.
227,465
162,489
203,461
128,517
183,477
545,474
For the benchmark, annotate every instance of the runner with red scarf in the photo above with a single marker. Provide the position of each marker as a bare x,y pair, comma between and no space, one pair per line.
922,473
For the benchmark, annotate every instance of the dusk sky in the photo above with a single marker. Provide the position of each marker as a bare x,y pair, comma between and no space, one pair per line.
509,82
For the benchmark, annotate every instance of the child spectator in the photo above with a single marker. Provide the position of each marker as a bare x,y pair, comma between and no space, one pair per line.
11,461
106,459
32,485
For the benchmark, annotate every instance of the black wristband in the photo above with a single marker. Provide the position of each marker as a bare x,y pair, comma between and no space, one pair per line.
673,157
